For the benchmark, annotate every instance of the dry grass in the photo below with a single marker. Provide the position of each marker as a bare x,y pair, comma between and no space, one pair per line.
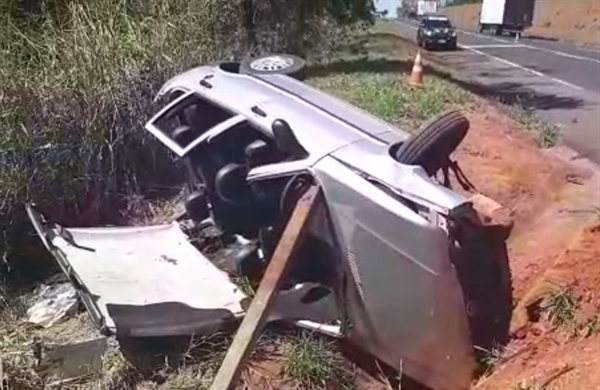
73,117
489,359
77,82
16,352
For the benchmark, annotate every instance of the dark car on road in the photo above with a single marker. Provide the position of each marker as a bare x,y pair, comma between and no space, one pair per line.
436,31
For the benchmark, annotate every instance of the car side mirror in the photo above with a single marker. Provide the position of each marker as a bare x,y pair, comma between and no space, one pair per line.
286,140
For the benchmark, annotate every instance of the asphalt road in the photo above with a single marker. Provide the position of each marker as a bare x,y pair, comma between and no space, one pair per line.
558,80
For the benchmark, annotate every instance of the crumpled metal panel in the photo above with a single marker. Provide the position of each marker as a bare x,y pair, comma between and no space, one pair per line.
407,306
144,281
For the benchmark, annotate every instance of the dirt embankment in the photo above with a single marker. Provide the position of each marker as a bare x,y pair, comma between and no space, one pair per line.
554,247
575,21
464,16
555,243
564,357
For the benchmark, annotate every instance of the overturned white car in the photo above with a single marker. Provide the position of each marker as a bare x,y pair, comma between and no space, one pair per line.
377,267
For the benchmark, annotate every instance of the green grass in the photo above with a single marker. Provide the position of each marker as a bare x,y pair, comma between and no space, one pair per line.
561,308
592,326
547,133
388,96
309,362
77,82
488,359
313,363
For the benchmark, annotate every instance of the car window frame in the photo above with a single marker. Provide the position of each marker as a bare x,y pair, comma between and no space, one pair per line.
180,102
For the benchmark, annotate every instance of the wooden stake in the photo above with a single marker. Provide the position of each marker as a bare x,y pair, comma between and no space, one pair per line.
254,321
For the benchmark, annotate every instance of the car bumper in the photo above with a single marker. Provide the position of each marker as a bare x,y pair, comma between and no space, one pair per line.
441,41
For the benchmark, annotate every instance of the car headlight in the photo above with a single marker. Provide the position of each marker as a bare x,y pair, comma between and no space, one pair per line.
428,33
453,34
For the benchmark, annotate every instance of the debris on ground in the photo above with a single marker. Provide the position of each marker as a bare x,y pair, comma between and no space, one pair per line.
557,346
52,304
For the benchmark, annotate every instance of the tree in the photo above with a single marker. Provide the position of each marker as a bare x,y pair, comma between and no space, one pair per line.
463,2
288,20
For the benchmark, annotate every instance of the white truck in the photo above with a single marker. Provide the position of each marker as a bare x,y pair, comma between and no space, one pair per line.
498,16
426,7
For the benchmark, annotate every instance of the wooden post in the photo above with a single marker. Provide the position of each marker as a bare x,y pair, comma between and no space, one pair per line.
253,323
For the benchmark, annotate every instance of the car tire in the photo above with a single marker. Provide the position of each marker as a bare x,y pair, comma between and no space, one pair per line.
432,147
286,64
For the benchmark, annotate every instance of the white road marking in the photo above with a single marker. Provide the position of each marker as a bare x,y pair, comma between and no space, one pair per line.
506,62
482,36
543,49
507,42
563,54
535,72
491,46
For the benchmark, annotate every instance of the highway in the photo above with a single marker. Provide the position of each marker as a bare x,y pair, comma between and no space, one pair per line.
558,80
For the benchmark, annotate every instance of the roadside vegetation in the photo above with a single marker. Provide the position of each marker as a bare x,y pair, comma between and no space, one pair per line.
77,87
77,81
547,133
561,308
388,96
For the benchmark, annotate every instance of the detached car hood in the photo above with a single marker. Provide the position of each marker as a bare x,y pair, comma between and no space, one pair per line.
143,281
152,281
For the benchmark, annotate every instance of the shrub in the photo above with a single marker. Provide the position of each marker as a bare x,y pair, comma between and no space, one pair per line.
77,78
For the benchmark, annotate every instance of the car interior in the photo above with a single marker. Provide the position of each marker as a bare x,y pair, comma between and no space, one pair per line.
217,171
217,185
218,189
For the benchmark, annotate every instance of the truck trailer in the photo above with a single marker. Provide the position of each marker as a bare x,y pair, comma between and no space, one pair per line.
498,16
426,7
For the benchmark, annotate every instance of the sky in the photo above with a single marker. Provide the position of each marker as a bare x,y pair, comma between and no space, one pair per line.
390,5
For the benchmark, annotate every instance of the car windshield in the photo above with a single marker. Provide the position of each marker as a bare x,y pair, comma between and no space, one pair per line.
438,23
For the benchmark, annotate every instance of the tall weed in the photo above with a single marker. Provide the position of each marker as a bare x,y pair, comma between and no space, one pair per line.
77,80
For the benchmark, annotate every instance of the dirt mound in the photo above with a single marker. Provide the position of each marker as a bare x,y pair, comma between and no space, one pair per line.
505,164
576,21
561,357
579,266
552,247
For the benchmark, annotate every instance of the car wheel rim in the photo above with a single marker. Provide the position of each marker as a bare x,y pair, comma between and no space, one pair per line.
271,64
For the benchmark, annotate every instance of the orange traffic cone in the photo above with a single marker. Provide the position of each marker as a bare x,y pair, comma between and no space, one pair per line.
416,76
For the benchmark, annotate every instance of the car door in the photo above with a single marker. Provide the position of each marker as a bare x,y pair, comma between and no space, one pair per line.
405,303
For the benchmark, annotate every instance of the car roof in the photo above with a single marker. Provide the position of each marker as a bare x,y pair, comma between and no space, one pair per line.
437,17
322,123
